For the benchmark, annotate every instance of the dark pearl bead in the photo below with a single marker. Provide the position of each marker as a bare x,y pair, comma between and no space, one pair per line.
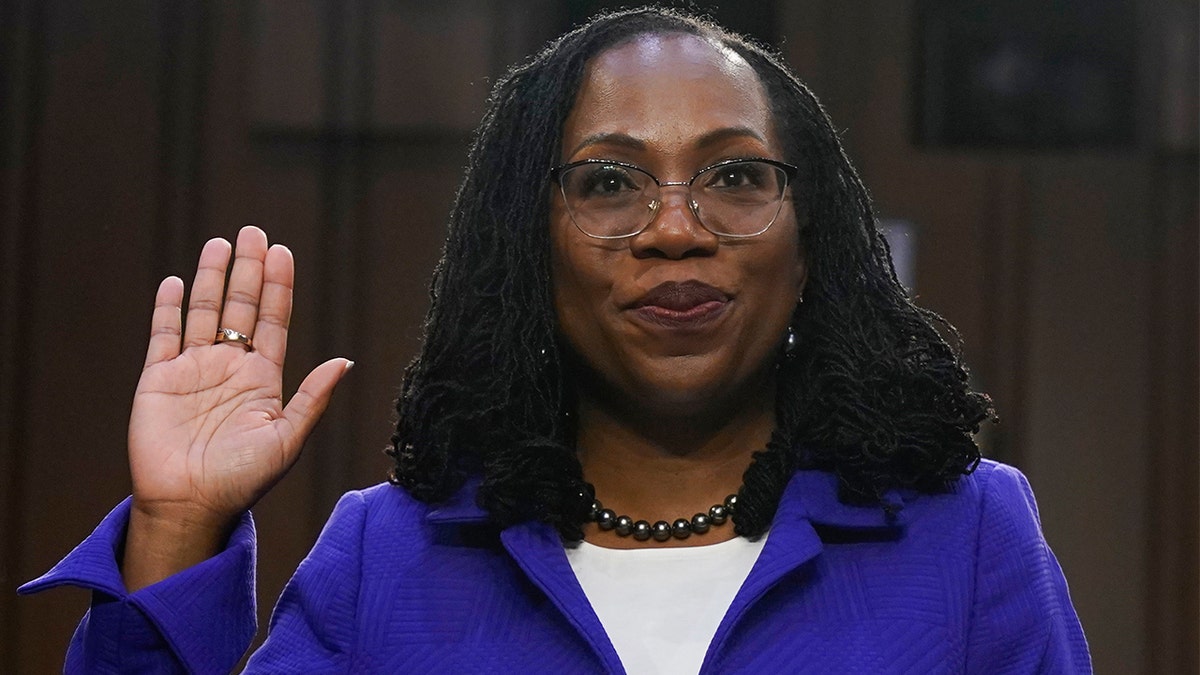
661,530
596,506
681,528
641,530
700,523
731,503
717,514
606,519
624,526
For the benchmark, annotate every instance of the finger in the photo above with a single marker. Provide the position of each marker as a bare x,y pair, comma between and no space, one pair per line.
275,309
165,323
245,282
204,305
302,412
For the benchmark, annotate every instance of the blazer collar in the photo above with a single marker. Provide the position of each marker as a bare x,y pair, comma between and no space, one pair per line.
461,507
813,495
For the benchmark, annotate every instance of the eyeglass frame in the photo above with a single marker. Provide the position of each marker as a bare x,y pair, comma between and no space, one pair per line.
789,173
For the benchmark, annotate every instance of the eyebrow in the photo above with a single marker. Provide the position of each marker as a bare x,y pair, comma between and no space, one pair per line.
624,140
709,139
718,135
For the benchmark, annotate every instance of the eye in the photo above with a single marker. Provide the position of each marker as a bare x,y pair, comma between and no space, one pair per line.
604,180
744,175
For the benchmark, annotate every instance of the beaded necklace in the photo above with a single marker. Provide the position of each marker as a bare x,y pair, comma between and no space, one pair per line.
642,530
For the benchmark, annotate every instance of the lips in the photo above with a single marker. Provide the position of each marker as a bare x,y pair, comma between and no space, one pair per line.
686,304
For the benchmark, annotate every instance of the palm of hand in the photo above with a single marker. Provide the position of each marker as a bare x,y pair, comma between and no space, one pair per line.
209,433
207,430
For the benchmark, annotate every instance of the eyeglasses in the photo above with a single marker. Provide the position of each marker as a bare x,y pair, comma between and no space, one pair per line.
608,199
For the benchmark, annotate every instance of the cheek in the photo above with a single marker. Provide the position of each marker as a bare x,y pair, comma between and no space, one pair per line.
578,286
566,288
562,281
786,262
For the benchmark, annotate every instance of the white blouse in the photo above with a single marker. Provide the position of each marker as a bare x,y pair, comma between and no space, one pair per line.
661,606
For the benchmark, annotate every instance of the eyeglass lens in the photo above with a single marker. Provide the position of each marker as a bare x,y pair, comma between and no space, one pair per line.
614,200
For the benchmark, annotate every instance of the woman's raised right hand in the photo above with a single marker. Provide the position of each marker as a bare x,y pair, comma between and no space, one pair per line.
209,434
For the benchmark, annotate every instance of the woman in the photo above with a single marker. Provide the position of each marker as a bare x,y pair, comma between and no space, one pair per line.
673,413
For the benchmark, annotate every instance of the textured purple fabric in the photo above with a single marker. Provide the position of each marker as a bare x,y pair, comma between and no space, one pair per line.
956,583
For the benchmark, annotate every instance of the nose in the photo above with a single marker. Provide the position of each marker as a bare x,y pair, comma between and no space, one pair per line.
675,232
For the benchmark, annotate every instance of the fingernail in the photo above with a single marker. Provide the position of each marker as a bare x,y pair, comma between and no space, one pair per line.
349,365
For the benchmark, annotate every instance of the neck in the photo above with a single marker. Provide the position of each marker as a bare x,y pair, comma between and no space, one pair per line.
663,467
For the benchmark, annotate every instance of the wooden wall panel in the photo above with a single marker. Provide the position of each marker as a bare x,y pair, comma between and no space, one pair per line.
1173,431
431,64
89,289
1088,382
21,50
288,60
1172,68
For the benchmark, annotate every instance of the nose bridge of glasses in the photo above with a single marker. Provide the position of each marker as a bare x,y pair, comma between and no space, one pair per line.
683,187
660,199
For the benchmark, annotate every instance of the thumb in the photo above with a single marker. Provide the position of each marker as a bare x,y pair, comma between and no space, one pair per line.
311,399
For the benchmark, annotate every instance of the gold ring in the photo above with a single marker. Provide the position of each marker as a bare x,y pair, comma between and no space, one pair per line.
231,335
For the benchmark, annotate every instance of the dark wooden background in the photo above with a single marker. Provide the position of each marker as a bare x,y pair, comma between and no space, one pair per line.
134,131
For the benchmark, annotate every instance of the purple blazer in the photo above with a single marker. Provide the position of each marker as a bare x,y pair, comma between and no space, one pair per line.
961,582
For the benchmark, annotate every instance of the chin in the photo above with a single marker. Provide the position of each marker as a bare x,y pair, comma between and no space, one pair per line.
686,389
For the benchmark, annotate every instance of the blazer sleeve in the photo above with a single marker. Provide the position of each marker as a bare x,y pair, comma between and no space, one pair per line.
200,620
315,622
1022,620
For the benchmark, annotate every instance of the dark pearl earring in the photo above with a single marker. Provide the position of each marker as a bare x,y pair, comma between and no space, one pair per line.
790,342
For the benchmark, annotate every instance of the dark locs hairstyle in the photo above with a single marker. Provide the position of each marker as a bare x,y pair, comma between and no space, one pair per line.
873,393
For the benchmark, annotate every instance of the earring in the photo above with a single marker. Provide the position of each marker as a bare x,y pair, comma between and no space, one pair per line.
789,343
